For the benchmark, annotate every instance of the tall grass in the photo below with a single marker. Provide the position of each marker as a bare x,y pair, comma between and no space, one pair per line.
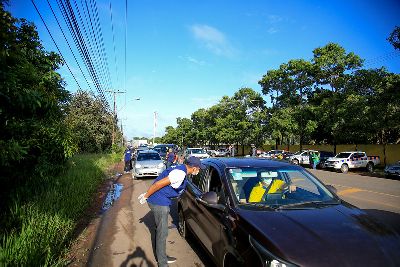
44,214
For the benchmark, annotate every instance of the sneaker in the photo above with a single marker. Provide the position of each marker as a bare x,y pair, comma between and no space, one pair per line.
171,259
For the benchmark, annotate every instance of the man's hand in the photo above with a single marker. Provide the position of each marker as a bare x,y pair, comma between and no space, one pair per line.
142,199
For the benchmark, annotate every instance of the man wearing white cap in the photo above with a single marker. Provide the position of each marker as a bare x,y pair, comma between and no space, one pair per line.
169,184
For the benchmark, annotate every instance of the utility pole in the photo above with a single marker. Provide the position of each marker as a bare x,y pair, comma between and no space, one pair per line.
154,126
114,112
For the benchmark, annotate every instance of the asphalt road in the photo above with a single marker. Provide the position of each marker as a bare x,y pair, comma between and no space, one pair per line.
126,233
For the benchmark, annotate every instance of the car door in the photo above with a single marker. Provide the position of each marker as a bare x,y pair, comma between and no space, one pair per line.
206,222
211,220
194,191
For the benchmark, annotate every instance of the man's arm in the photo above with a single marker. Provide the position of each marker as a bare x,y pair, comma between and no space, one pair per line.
157,186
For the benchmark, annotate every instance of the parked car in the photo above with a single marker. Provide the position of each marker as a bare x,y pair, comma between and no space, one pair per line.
323,156
271,154
352,160
303,224
162,149
393,170
147,163
196,152
301,157
221,152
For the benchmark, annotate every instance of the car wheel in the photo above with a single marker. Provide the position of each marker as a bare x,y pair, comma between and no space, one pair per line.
370,167
182,228
344,168
295,162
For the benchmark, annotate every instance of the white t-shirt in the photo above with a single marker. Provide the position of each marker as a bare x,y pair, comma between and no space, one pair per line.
176,178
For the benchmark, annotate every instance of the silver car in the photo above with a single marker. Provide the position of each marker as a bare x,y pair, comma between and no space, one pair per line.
393,170
148,163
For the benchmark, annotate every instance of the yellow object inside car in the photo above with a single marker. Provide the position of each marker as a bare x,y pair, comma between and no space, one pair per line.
259,189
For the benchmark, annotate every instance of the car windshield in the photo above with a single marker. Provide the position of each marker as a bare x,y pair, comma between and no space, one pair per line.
298,153
343,155
148,156
197,151
275,187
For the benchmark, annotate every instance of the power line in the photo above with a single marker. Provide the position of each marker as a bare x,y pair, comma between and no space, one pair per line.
69,45
115,53
382,58
59,51
73,26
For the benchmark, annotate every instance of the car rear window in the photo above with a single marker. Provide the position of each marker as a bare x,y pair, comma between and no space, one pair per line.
148,156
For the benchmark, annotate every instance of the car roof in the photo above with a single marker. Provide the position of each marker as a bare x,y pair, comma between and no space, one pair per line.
149,151
249,162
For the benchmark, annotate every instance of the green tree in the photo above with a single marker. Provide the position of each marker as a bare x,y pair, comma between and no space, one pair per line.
394,38
32,101
91,122
332,64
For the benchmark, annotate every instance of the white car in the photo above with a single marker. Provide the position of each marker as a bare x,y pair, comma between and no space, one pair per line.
196,152
352,160
148,163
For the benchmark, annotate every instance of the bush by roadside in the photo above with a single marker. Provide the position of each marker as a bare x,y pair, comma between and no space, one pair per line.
37,228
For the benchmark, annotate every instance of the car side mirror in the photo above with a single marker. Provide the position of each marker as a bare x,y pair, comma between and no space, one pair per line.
210,199
332,188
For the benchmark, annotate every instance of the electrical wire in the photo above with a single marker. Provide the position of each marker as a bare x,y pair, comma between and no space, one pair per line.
65,37
59,51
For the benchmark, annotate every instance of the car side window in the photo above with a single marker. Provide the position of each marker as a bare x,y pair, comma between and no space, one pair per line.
200,180
216,186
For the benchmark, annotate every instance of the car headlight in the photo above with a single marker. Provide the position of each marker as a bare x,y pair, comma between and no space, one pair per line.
138,166
160,165
267,257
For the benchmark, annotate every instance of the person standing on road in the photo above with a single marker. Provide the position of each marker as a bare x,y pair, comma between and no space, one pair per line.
128,160
171,158
315,159
169,184
253,150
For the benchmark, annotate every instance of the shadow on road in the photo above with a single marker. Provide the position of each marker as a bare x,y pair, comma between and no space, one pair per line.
148,220
138,253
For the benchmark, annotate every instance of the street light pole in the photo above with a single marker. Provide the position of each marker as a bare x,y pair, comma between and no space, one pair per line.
154,126
114,113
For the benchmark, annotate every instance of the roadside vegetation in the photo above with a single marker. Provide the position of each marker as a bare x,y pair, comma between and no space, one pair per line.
47,176
43,214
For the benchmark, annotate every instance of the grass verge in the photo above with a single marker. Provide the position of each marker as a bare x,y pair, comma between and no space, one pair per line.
41,220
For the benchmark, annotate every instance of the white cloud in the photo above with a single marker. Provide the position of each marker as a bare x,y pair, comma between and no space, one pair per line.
272,30
213,39
192,60
205,102
274,19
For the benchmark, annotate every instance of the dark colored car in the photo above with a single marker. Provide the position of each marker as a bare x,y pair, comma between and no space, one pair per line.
162,149
324,155
393,171
304,223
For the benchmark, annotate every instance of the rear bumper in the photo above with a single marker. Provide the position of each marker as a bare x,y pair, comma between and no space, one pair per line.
147,172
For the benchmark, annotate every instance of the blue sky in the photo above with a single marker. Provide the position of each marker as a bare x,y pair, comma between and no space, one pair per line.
186,55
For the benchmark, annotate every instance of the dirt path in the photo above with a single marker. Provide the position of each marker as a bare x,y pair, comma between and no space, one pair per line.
124,234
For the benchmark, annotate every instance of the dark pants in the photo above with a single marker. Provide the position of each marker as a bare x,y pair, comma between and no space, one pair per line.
127,166
161,219
169,164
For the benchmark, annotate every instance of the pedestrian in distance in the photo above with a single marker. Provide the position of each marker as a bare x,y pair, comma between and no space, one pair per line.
171,183
310,159
316,159
128,159
171,158
253,150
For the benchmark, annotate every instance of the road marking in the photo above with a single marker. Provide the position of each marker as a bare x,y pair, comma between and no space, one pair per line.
349,191
375,202
369,191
